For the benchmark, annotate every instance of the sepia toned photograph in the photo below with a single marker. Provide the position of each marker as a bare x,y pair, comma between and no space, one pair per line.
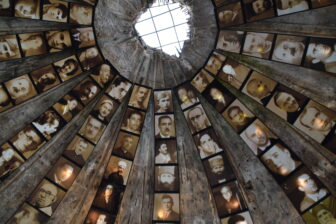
58,40
207,143
5,100
230,15
316,121
289,49
92,129
46,197
86,91
117,170
9,48
304,189
133,121
231,41
33,44
9,159
103,75
164,126
55,10
78,150
258,137
27,141
218,169
286,7
167,179
63,173
215,62
105,109
126,145
234,73
96,216
258,9
6,8
186,96
218,96
119,88
83,37
45,78
20,89
241,218
28,214
68,68
238,116
258,44
323,213
140,97
90,58
286,103
163,101
321,54
81,14
29,9
197,119
165,151
228,199
166,207
321,3
68,107
202,80
49,123
259,87
108,197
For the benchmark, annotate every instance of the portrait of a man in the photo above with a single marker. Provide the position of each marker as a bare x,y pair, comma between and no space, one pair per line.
202,80
32,44
68,107
81,14
117,170
5,100
163,101
49,123
126,145
290,6
241,218
218,169
230,41
55,10
166,207
78,150
197,119
96,216
58,40
27,9
234,73
166,179
258,44
90,58
207,143
322,213
68,68
218,96
28,214
103,75
140,97
9,160
86,91
215,63
258,9
133,121
45,78
165,151
108,197
46,197
186,96
83,37
164,126
230,15
119,88
105,109
9,48
92,129
20,89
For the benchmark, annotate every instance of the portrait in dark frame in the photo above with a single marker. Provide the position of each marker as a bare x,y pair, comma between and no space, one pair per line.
105,109
92,129
126,145
33,44
68,107
207,143
215,62
9,48
165,151
166,207
258,44
118,88
104,74
167,179
90,58
197,119
45,78
218,169
140,97
86,91
81,14
5,99
117,170
258,9
133,121
68,68
202,80
96,216
83,37
186,96
234,73
58,40
231,41
78,150
230,14
322,213
29,9
9,160
49,123
28,214
55,10
163,101
285,7
165,126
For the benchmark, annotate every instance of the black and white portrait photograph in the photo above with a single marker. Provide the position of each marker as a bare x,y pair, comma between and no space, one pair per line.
55,10
20,89
9,48
258,9
231,41
33,44
197,119
118,88
45,78
103,75
166,179
163,101
105,109
29,9
164,126
202,80
290,6
234,73
90,58
86,91
83,37
166,207
81,14
133,121
165,151
92,129
49,123
126,145
218,169
140,97
207,143
58,40
68,68
9,159
117,170
186,96
78,150
214,63
68,107
258,44
322,213
230,15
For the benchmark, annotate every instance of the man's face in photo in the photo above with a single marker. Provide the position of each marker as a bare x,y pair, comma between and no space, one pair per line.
226,193
201,81
105,109
289,51
282,159
127,143
216,94
108,190
256,135
119,91
197,118
26,139
207,144
306,184
286,102
319,51
134,122
315,119
182,93
166,126
19,87
141,94
167,204
81,147
64,172
55,12
59,40
325,217
68,67
46,195
237,115
86,36
92,128
166,178
27,8
257,43
163,148
258,88
104,73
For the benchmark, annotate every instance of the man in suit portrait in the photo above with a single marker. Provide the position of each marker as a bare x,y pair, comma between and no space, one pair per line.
76,153
139,98
166,178
117,175
165,127
218,170
108,197
197,119
229,201
126,147
167,213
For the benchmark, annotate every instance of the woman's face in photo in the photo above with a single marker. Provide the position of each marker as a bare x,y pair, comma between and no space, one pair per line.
59,40
26,8
55,13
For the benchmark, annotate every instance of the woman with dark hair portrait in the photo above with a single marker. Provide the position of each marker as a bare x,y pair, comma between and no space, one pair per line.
89,58
86,91
55,10
68,107
9,48
27,9
32,44
58,40
67,68
48,123
45,78
230,40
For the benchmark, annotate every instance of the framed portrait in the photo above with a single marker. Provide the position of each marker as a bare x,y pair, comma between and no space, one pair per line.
259,88
215,62
45,78
321,3
202,80
228,199
83,37
289,49
330,141
258,137
207,143
104,74
55,10
46,197
10,48
90,58
68,68
140,97
126,145
218,96
108,197
49,123
68,107
197,119
7,8
234,73
81,14
304,189
27,141
316,121
258,10
243,217
33,44
63,173
28,214
238,116
231,41
78,150
118,88
29,9
118,170
164,126
166,207
5,100
321,54
186,96
165,151
98,216
9,160
230,15
322,213
92,129
285,7
20,89
58,40
105,109
286,103
163,101
258,44
167,179
218,169
133,121
86,91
